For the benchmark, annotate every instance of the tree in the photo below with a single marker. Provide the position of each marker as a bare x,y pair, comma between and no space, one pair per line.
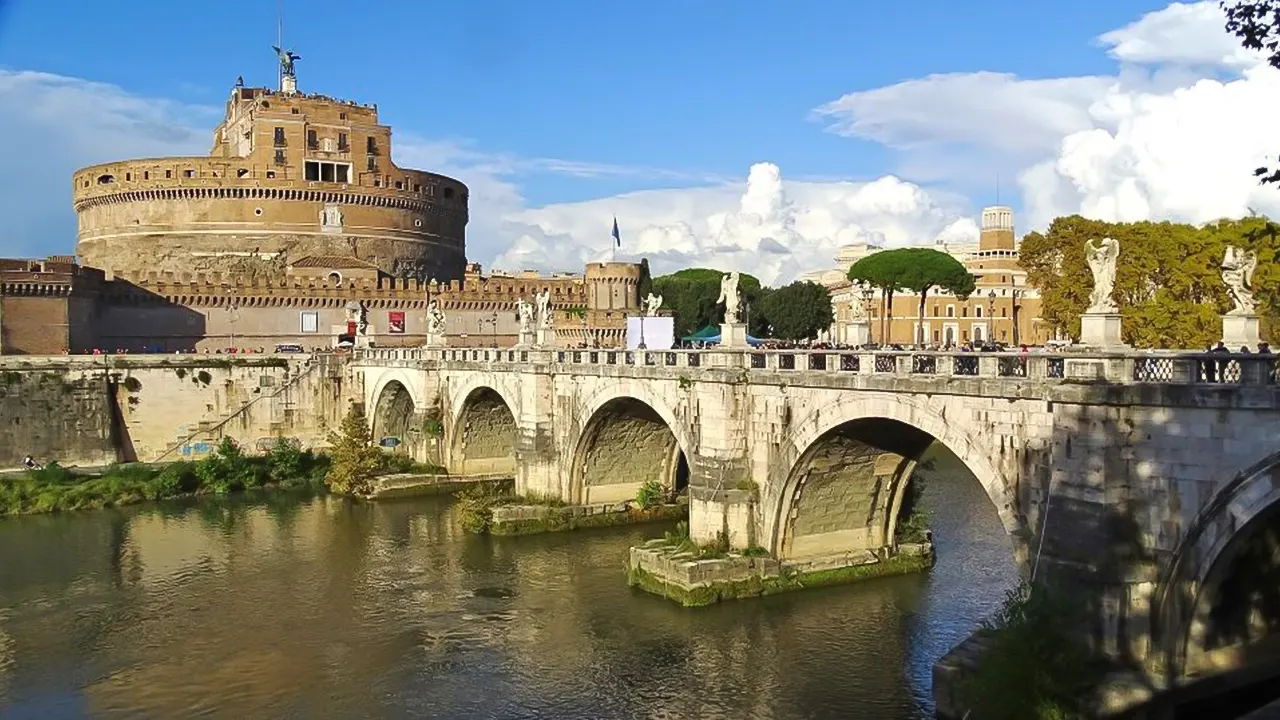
928,269
644,285
798,310
691,296
355,457
1257,24
1168,278
885,270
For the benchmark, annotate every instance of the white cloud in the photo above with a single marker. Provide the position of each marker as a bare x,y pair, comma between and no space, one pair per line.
57,124
777,230
1175,134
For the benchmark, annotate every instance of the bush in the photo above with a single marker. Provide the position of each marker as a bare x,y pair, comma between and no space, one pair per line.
1034,667
651,494
227,469
475,508
176,479
355,459
285,460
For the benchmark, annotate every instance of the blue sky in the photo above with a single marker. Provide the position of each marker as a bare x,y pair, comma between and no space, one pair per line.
683,92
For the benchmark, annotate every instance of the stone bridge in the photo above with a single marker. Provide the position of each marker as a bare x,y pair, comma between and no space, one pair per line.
1126,477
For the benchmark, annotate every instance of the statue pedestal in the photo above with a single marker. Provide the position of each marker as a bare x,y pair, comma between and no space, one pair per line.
434,340
1240,331
856,334
1100,330
733,335
525,338
546,337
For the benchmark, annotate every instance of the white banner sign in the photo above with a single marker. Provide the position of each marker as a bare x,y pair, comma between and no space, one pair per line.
657,333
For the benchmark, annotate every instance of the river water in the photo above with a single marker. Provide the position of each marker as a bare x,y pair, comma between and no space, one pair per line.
311,608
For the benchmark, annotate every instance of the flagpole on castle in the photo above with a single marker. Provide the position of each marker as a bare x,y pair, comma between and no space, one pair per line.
617,240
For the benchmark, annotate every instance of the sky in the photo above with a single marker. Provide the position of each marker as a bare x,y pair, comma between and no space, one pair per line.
737,134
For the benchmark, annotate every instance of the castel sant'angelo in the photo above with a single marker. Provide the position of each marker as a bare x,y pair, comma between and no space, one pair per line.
297,228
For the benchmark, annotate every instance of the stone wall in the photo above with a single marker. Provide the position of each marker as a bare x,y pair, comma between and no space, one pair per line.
90,411
628,445
487,436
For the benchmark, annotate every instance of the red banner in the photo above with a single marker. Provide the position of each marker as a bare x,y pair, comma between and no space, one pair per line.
395,322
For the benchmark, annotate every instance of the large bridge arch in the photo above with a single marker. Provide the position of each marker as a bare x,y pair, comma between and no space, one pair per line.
843,472
482,432
1218,604
393,412
624,440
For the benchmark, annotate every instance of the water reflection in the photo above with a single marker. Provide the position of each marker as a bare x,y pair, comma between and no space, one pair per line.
321,608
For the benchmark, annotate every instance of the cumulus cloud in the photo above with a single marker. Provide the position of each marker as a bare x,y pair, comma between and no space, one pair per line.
776,230
1175,134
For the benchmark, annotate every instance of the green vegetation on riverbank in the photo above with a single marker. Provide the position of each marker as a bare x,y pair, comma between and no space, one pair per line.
1033,667
543,514
226,470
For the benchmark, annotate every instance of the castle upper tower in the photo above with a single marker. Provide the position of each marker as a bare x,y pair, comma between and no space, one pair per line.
290,175
997,229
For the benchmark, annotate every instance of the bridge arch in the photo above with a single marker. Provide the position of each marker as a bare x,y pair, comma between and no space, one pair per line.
482,431
1218,605
393,412
626,440
844,474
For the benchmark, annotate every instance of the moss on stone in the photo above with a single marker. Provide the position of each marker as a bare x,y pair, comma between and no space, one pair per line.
557,520
758,586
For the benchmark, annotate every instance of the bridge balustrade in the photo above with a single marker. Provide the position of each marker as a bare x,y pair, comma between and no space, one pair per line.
1155,367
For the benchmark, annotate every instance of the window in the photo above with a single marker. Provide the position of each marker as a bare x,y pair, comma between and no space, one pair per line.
279,137
448,193
146,175
310,322
128,177
373,164
964,312
342,141
399,185
1002,312
271,174
188,173
280,157
371,145
319,171
951,311
313,142
168,174
977,311
417,187
342,116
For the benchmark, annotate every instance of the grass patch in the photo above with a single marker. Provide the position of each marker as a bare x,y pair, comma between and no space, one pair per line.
564,519
394,463
226,471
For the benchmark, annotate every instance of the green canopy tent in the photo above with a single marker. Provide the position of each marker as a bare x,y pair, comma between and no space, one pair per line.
710,333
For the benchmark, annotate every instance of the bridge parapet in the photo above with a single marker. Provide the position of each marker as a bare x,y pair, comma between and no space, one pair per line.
1161,368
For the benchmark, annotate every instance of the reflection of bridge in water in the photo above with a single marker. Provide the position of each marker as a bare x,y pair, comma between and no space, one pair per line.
1163,486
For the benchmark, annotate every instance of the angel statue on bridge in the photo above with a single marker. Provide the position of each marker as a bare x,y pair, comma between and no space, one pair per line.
651,304
1238,265
729,296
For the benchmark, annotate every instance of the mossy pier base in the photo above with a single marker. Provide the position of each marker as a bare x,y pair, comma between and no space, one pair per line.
665,569
404,485
534,519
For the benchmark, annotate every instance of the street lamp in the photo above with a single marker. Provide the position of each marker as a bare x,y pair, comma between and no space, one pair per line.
1014,313
991,314
232,307
867,294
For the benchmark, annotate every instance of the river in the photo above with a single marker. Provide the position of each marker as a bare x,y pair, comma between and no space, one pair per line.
311,608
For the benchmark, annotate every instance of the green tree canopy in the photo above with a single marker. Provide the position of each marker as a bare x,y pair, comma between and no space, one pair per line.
887,271
798,310
928,269
1168,278
691,295
355,457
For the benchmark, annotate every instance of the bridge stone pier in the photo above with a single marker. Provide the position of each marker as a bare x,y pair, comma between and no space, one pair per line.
1125,478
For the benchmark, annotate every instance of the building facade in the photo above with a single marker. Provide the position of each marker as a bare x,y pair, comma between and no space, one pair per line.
1003,308
290,176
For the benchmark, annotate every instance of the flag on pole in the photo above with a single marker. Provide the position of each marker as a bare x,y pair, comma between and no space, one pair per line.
617,239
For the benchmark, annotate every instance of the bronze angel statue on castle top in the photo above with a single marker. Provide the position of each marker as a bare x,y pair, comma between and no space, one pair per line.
287,58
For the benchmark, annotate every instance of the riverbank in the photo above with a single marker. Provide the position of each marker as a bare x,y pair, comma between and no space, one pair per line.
228,470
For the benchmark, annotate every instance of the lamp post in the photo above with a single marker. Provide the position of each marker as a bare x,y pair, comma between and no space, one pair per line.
232,307
493,326
641,346
1014,313
991,314
867,294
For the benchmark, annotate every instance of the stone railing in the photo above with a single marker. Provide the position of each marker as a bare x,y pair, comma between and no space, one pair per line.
1165,367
